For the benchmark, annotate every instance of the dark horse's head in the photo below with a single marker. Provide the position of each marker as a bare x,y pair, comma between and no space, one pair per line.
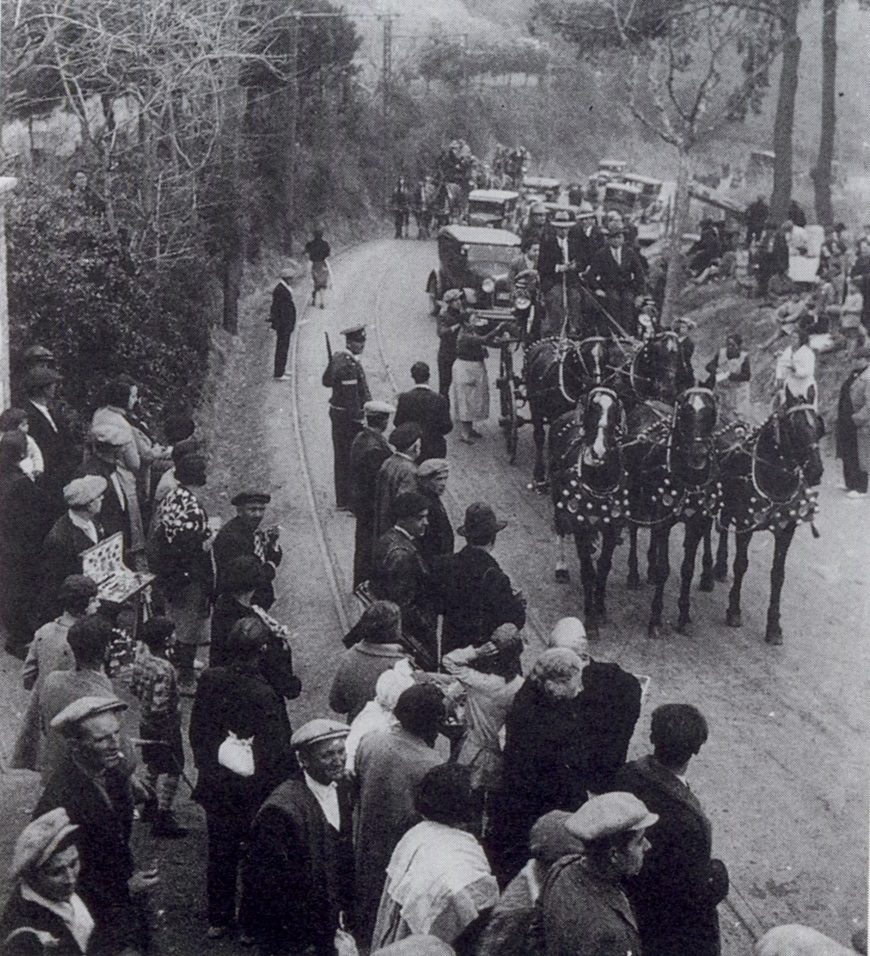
691,442
654,368
602,420
788,447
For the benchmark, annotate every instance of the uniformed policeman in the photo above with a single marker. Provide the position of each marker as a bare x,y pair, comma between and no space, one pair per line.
345,376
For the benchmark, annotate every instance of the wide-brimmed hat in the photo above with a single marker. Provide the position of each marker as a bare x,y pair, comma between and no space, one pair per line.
480,523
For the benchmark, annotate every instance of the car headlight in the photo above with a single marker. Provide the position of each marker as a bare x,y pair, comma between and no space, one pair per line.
487,285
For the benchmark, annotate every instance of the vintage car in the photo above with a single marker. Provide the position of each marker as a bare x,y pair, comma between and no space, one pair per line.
477,260
495,208
541,188
623,197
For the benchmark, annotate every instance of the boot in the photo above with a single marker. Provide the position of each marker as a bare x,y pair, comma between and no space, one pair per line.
167,826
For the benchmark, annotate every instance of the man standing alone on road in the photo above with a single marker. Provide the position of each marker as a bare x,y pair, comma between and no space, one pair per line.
350,391
282,318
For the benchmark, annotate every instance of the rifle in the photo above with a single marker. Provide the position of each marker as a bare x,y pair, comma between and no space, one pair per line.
328,347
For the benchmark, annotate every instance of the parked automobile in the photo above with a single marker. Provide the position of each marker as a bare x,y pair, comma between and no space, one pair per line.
541,188
494,208
477,260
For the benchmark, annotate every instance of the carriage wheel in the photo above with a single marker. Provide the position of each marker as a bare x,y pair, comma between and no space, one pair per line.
509,420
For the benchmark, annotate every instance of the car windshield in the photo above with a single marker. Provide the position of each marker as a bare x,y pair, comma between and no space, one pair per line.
487,208
501,254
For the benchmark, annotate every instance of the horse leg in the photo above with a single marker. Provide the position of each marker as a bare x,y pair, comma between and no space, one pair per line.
741,562
585,542
562,573
609,539
539,433
633,582
659,572
720,569
782,541
696,530
652,558
707,578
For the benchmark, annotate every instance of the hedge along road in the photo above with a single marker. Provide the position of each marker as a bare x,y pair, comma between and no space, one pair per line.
783,776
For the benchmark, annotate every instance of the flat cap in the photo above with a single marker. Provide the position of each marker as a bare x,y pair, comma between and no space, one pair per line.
549,839
82,491
609,814
84,708
251,498
291,270
111,433
434,466
377,407
354,331
39,353
42,376
404,435
321,728
39,839
685,320
453,295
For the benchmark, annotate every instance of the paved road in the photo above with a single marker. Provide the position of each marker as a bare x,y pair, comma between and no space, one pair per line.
784,775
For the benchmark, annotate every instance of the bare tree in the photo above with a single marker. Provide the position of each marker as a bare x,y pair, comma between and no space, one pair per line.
823,172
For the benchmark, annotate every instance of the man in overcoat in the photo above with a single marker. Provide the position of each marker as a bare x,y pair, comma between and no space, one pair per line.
397,474
346,377
241,537
299,878
477,595
429,410
48,429
282,318
370,449
676,893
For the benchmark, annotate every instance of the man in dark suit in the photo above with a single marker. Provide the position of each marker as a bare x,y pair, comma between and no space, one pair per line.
399,574
477,595
616,277
282,318
370,449
241,537
429,410
45,427
676,892
75,531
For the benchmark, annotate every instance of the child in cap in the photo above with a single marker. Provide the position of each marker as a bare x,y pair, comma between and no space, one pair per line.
155,683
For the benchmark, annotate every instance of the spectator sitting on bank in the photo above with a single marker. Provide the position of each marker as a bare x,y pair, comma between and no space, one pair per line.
375,645
44,904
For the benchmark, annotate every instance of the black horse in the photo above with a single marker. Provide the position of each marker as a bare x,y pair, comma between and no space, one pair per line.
768,477
559,372
587,485
670,460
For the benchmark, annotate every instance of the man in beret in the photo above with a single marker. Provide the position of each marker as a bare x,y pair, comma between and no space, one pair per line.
282,318
370,449
300,873
397,474
108,443
48,429
97,796
429,410
346,377
242,537
78,529
478,596
399,574
676,893
389,767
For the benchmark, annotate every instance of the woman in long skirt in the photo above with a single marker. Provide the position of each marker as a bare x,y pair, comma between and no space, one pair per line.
470,378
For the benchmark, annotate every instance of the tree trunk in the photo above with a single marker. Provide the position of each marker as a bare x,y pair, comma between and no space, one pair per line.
823,173
292,104
233,253
674,279
783,126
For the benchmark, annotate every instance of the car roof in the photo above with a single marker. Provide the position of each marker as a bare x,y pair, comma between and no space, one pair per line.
644,180
494,195
541,182
480,236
